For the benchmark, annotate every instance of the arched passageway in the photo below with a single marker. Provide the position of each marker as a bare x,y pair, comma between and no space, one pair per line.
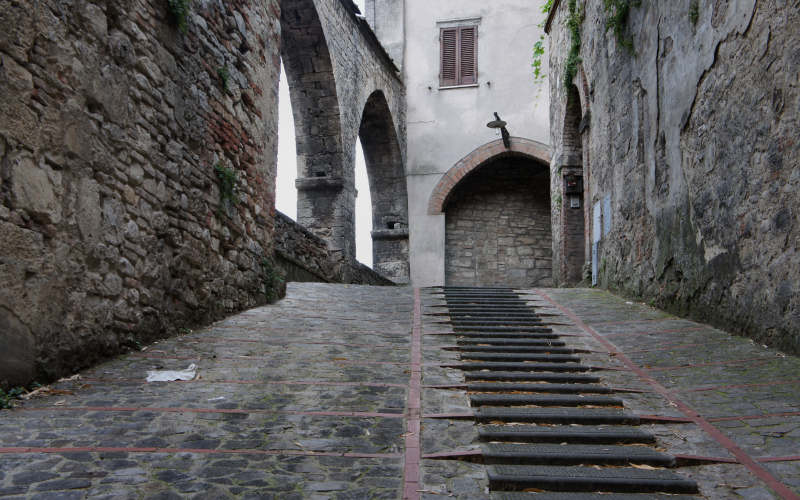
322,191
497,226
335,101
387,188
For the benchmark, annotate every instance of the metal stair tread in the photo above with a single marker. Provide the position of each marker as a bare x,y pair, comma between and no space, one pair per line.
504,341
560,478
564,433
498,321
555,415
504,495
532,376
490,328
520,356
529,387
576,454
522,366
541,349
532,333
542,400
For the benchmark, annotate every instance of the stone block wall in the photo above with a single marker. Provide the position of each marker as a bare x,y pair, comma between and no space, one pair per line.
304,256
111,124
498,226
692,139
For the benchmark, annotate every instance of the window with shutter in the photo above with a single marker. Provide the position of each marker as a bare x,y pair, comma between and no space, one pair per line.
459,56
449,43
467,56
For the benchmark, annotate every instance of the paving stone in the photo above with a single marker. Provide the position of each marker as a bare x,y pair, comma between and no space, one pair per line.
327,337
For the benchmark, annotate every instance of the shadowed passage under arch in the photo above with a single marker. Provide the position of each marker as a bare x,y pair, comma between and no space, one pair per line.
519,147
321,188
387,183
498,228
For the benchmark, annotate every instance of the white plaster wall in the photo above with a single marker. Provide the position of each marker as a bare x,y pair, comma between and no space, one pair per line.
445,125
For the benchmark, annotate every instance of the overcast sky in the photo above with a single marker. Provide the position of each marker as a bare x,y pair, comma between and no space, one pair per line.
286,196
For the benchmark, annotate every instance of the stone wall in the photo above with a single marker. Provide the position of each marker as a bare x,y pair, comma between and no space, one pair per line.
304,256
111,124
498,226
690,158
301,254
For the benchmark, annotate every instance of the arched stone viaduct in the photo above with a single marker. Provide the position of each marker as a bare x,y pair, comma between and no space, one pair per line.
343,85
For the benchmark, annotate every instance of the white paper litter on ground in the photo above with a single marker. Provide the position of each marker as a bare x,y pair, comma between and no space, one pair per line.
171,375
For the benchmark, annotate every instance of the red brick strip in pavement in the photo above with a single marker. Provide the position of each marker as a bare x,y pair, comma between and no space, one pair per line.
736,386
793,458
749,361
664,347
242,382
319,413
650,332
104,449
624,321
755,417
144,355
742,456
411,485
280,343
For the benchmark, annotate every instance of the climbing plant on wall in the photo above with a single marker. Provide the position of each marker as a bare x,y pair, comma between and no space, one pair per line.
574,21
179,12
538,47
617,12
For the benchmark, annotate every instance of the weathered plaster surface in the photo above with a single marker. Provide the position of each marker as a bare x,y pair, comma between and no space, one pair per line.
693,137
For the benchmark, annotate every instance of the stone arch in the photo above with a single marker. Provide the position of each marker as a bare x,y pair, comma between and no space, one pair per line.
519,147
498,227
384,161
573,221
315,106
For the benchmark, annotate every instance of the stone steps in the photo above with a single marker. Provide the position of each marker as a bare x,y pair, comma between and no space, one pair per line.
546,424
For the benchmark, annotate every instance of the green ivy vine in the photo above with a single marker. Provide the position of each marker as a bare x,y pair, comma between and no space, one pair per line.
224,77
179,12
271,280
538,47
574,21
617,12
226,177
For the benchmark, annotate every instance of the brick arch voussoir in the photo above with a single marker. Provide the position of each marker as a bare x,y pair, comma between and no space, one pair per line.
519,147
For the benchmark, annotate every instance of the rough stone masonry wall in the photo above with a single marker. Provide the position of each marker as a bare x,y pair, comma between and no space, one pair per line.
694,138
304,256
498,227
111,122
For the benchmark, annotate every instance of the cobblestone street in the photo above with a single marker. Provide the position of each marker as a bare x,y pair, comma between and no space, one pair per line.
323,394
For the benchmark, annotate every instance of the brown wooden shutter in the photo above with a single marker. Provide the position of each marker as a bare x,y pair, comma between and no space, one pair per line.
449,47
468,55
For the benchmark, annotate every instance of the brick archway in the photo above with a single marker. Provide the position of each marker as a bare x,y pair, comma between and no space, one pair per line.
495,149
